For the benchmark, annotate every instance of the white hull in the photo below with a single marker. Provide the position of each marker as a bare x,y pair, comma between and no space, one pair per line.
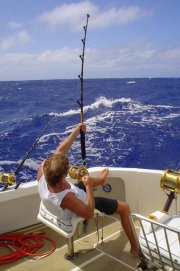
139,187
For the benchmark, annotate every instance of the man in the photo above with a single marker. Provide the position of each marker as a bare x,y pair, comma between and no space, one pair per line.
65,199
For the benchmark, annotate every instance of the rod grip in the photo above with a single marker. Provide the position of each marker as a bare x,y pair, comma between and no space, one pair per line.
83,148
169,200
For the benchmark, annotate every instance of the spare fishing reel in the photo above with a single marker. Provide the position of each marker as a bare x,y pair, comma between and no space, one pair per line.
78,173
7,179
170,181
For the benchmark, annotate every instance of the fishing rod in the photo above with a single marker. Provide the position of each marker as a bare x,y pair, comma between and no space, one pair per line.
9,179
81,101
76,172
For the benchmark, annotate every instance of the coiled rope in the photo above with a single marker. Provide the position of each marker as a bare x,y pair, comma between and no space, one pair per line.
18,245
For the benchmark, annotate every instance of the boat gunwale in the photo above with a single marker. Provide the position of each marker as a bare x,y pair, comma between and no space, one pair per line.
30,188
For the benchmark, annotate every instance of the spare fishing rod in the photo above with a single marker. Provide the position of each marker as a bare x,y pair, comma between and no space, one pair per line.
9,179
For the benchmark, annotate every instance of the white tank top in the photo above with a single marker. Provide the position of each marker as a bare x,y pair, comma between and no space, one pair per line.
50,204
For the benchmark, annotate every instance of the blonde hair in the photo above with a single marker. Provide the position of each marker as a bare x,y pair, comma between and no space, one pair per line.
55,166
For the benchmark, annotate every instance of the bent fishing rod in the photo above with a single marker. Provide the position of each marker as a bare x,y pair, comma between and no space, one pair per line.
81,101
9,179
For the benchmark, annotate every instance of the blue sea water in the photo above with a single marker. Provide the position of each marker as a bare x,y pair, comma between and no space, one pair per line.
130,122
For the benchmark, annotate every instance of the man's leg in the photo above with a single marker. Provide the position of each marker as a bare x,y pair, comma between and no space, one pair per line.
124,211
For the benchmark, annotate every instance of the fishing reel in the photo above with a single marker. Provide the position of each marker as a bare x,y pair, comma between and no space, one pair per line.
170,181
77,173
7,179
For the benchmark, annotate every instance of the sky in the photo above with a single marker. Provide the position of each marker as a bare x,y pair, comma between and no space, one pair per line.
42,39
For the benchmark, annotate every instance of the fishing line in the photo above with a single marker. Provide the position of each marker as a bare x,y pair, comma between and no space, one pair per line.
11,14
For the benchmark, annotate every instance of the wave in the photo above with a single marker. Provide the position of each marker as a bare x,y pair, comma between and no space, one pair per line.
28,162
100,101
130,113
129,106
45,137
131,82
7,162
106,102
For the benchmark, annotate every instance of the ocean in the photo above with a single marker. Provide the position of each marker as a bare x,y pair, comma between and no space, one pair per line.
132,123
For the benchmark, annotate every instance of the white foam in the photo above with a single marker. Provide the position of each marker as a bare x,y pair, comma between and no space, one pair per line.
68,113
101,101
7,162
44,138
131,107
131,82
31,163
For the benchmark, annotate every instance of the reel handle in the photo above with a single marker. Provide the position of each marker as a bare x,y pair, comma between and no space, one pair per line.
169,200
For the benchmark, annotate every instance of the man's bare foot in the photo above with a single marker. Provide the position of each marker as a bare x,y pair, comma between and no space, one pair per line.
104,174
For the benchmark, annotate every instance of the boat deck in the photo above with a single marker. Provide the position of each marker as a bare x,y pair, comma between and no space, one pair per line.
94,254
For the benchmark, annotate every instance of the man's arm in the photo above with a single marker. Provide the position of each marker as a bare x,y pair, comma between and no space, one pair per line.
72,203
40,171
65,146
